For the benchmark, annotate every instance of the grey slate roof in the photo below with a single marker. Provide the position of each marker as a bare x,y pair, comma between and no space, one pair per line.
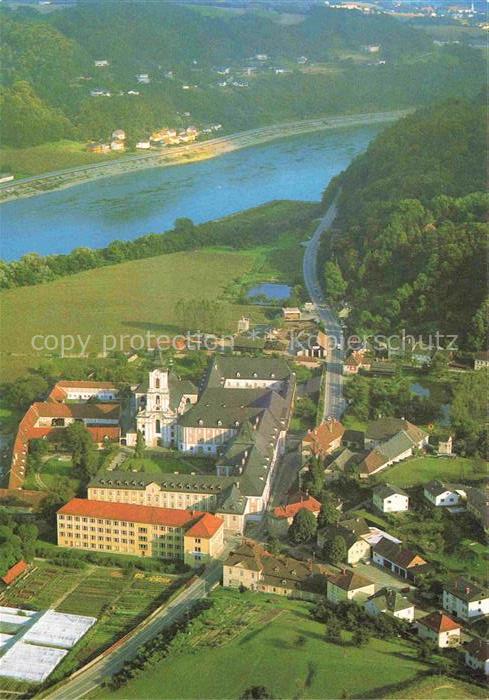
231,366
390,600
137,481
466,590
387,490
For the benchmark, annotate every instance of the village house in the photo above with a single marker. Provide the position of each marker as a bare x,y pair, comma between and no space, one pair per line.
465,599
389,601
442,495
390,499
291,313
439,628
347,585
477,655
398,559
119,135
191,536
98,147
281,517
250,566
101,63
117,145
323,440
143,145
353,531
481,360
356,361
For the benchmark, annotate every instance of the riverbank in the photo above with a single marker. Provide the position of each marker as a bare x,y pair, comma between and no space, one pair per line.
70,177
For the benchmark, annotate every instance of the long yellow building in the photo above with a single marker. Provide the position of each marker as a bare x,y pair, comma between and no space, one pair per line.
123,528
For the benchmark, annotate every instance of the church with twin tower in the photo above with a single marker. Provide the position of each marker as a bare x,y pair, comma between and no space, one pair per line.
158,403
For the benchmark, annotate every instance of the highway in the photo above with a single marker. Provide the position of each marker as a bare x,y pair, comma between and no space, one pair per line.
37,184
334,402
93,675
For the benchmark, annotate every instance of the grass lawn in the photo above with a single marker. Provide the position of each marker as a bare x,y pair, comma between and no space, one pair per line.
157,463
439,688
49,473
419,470
253,639
33,160
128,299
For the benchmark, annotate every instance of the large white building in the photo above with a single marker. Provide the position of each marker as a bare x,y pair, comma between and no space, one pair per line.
158,404
465,599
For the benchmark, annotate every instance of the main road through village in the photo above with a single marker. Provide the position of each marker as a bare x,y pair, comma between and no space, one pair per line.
333,405
94,674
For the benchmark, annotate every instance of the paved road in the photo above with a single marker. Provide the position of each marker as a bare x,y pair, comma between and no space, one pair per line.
93,676
334,403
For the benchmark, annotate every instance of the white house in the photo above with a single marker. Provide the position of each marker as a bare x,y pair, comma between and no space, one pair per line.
390,499
465,599
442,495
439,628
477,655
143,145
390,602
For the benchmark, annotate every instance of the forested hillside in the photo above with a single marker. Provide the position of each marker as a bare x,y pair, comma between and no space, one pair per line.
410,249
48,68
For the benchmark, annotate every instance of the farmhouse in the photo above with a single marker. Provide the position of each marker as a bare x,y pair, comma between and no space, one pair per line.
347,585
477,655
440,494
398,559
383,429
390,440
390,499
389,601
323,440
252,567
465,599
355,362
167,533
440,629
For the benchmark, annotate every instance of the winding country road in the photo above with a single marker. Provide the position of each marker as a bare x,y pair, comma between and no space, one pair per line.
334,402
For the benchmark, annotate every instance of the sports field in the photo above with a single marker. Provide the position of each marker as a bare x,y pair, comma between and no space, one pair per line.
252,639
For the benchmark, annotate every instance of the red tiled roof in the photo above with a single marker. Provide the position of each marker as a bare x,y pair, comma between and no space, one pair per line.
291,509
206,527
373,461
86,384
320,438
100,432
151,515
438,622
14,571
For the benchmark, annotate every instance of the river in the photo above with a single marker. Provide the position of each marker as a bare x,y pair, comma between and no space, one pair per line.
148,201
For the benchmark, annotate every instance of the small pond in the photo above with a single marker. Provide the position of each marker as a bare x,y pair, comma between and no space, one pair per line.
271,290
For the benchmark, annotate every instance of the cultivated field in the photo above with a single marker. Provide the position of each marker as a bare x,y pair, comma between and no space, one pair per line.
264,640
119,599
128,299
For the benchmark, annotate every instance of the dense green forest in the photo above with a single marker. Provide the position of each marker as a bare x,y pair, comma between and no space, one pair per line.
48,68
411,240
